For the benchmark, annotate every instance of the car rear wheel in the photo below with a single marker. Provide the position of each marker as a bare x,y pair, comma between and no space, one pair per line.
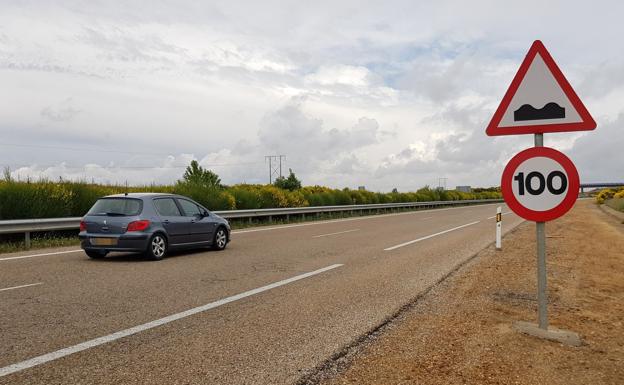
157,248
96,254
220,239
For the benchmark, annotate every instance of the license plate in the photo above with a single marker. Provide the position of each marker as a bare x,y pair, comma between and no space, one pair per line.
103,241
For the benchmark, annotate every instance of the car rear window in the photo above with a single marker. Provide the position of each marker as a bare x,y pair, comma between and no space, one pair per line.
117,207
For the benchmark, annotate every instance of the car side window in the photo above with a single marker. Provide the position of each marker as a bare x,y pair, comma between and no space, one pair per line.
167,207
190,209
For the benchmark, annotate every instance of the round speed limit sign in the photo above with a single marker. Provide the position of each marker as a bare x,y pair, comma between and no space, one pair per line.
540,184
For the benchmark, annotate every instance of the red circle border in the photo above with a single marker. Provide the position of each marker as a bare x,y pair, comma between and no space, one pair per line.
548,215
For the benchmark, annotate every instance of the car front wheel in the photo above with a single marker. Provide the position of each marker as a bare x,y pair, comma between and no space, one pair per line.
157,247
220,239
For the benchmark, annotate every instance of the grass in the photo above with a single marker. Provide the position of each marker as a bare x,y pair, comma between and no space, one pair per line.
15,242
46,240
616,204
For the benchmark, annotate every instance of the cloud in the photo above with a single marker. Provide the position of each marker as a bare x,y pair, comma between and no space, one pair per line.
62,112
290,130
383,95
356,76
597,154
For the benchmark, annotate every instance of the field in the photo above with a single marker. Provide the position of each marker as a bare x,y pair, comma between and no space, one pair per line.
460,333
616,204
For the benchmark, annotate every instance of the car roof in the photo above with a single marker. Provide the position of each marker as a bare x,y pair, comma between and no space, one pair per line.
141,195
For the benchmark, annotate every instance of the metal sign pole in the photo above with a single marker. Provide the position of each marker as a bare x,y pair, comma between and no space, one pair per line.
542,298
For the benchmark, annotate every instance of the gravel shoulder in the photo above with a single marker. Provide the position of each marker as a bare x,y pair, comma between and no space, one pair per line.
460,332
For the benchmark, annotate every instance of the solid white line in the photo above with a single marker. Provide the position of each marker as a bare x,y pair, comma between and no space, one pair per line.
494,216
21,286
339,232
35,361
431,236
40,255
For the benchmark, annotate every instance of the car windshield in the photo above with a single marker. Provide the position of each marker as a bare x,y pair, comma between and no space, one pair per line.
116,207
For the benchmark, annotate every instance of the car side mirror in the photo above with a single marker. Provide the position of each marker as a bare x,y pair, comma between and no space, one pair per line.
205,213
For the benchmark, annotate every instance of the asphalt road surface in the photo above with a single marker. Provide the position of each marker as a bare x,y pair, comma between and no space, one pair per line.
275,304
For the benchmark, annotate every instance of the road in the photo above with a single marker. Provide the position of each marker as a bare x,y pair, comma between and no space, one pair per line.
275,304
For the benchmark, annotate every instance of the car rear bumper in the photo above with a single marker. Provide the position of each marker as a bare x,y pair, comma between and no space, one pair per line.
125,242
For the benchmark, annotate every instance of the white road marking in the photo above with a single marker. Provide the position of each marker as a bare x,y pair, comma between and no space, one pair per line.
35,361
339,232
21,286
40,255
494,216
353,219
430,236
280,227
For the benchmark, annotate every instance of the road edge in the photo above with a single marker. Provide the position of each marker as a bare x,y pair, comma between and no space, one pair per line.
342,359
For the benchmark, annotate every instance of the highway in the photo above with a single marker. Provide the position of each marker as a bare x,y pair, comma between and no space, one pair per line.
274,305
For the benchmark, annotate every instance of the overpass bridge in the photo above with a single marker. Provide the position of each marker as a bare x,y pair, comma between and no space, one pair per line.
600,185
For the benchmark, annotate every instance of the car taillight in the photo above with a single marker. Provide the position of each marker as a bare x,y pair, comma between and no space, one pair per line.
83,226
138,225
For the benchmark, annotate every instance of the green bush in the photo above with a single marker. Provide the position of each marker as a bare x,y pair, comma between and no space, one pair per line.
46,199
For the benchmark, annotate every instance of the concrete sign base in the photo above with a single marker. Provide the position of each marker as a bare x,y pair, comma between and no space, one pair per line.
552,334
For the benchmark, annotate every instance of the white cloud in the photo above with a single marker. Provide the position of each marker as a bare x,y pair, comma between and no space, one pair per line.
389,94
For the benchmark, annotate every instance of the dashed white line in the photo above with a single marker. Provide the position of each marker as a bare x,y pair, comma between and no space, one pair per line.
21,286
278,228
39,255
354,219
336,233
430,236
35,361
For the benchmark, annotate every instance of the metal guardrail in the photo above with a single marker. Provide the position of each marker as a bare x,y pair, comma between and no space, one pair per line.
28,226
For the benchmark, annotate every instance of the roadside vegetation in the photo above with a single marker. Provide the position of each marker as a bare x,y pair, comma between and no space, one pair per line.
612,197
53,199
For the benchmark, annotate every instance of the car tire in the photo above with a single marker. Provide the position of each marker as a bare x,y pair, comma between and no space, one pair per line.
95,254
157,247
220,239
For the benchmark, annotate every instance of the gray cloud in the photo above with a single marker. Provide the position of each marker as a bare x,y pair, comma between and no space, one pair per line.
290,130
220,81
63,112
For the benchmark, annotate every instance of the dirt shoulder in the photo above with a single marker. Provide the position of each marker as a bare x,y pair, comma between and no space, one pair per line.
460,332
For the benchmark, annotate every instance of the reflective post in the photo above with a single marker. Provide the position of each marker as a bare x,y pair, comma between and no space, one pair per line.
499,227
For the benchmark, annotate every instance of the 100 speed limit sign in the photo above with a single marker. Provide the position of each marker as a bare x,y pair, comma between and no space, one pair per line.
540,184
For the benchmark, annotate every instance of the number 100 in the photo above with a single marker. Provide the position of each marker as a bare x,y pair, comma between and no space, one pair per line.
543,183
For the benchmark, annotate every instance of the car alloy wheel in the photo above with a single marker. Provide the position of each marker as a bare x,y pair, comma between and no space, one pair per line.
220,239
158,246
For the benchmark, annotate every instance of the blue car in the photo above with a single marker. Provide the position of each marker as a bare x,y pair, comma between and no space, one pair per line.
150,223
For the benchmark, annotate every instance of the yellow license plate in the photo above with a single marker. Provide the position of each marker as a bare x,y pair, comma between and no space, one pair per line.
103,241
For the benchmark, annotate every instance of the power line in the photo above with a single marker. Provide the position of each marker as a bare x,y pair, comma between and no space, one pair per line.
128,167
275,165
88,149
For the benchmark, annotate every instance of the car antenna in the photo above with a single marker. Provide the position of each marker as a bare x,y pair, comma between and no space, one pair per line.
126,193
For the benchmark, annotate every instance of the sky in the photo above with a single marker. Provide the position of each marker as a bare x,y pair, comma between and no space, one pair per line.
382,94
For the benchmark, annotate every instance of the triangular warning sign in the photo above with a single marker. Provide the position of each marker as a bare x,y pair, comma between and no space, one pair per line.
539,100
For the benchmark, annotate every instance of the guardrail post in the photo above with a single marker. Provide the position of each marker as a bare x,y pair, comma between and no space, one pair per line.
270,218
27,239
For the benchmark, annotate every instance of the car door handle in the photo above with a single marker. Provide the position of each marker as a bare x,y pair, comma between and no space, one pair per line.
166,222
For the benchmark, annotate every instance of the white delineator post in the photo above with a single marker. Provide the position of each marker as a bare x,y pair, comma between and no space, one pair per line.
499,227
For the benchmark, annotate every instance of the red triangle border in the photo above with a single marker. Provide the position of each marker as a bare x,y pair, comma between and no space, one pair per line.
587,123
